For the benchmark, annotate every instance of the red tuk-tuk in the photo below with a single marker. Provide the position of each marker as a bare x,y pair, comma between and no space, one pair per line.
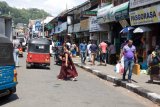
38,52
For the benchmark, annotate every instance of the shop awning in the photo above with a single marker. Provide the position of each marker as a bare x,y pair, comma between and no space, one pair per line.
120,12
103,15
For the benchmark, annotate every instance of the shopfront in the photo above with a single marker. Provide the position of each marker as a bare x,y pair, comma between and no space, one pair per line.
98,32
117,18
148,18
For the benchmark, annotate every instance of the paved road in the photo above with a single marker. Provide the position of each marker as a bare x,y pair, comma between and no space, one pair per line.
40,88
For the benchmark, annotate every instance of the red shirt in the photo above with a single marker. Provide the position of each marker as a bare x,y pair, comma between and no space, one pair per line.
103,47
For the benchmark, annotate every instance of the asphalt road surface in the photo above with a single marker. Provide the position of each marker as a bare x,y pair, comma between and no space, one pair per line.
40,88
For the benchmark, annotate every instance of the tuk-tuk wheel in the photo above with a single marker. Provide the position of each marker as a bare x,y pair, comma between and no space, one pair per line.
28,65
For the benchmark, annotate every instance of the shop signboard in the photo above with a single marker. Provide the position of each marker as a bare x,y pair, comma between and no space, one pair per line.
76,27
138,3
63,26
145,16
57,29
121,15
60,28
120,12
84,25
124,23
95,27
70,29
103,14
89,13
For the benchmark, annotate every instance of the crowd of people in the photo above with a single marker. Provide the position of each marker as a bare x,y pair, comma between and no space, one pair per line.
105,53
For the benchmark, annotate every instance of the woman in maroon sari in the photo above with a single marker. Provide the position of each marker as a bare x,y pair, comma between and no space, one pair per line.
68,70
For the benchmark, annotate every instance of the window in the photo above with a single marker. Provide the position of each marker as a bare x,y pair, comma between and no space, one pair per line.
4,53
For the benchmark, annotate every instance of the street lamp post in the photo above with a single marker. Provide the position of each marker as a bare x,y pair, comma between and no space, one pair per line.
43,26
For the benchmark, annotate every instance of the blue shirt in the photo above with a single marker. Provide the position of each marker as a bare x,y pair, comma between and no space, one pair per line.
83,47
93,48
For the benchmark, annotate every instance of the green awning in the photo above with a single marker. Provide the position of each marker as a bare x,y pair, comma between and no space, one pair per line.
120,12
103,15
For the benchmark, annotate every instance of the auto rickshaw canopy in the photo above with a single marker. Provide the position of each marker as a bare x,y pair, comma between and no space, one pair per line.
38,45
6,51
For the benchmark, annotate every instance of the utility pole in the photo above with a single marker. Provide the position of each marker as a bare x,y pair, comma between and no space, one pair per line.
43,25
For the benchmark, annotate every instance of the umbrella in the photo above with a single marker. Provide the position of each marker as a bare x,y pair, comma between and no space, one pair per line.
126,29
142,29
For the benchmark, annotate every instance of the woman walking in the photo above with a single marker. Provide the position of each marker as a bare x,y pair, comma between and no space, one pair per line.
68,70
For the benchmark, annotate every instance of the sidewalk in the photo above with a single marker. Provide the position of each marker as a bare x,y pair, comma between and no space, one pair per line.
138,85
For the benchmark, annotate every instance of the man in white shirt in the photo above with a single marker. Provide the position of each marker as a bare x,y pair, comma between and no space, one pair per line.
69,44
89,51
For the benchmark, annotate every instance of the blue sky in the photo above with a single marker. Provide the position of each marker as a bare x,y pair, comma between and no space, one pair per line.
54,7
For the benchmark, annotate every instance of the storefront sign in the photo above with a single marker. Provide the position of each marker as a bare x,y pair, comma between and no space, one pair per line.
145,16
84,25
70,29
120,12
76,27
95,27
103,14
121,15
60,28
89,13
63,26
123,23
138,3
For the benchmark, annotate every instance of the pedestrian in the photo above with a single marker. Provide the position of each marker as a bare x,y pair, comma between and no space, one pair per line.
89,51
83,51
129,52
122,45
73,49
154,69
68,70
103,50
69,44
93,49
16,45
112,54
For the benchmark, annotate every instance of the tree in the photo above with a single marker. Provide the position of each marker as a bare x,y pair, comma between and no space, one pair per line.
22,15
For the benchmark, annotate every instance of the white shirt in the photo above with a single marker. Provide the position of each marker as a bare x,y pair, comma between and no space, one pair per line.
69,44
88,48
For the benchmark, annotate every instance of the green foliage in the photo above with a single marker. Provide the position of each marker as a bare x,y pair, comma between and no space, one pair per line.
22,15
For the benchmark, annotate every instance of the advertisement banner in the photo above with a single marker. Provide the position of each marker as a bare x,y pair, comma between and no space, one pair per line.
145,16
138,3
76,28
84,25
103,14
95,27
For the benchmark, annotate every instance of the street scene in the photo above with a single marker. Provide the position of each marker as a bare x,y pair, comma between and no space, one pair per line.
40,87
83,53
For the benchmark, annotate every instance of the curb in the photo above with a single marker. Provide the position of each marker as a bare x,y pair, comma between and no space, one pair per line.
154,97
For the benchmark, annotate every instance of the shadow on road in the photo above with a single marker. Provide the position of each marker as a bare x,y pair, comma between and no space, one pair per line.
10,99
40,67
